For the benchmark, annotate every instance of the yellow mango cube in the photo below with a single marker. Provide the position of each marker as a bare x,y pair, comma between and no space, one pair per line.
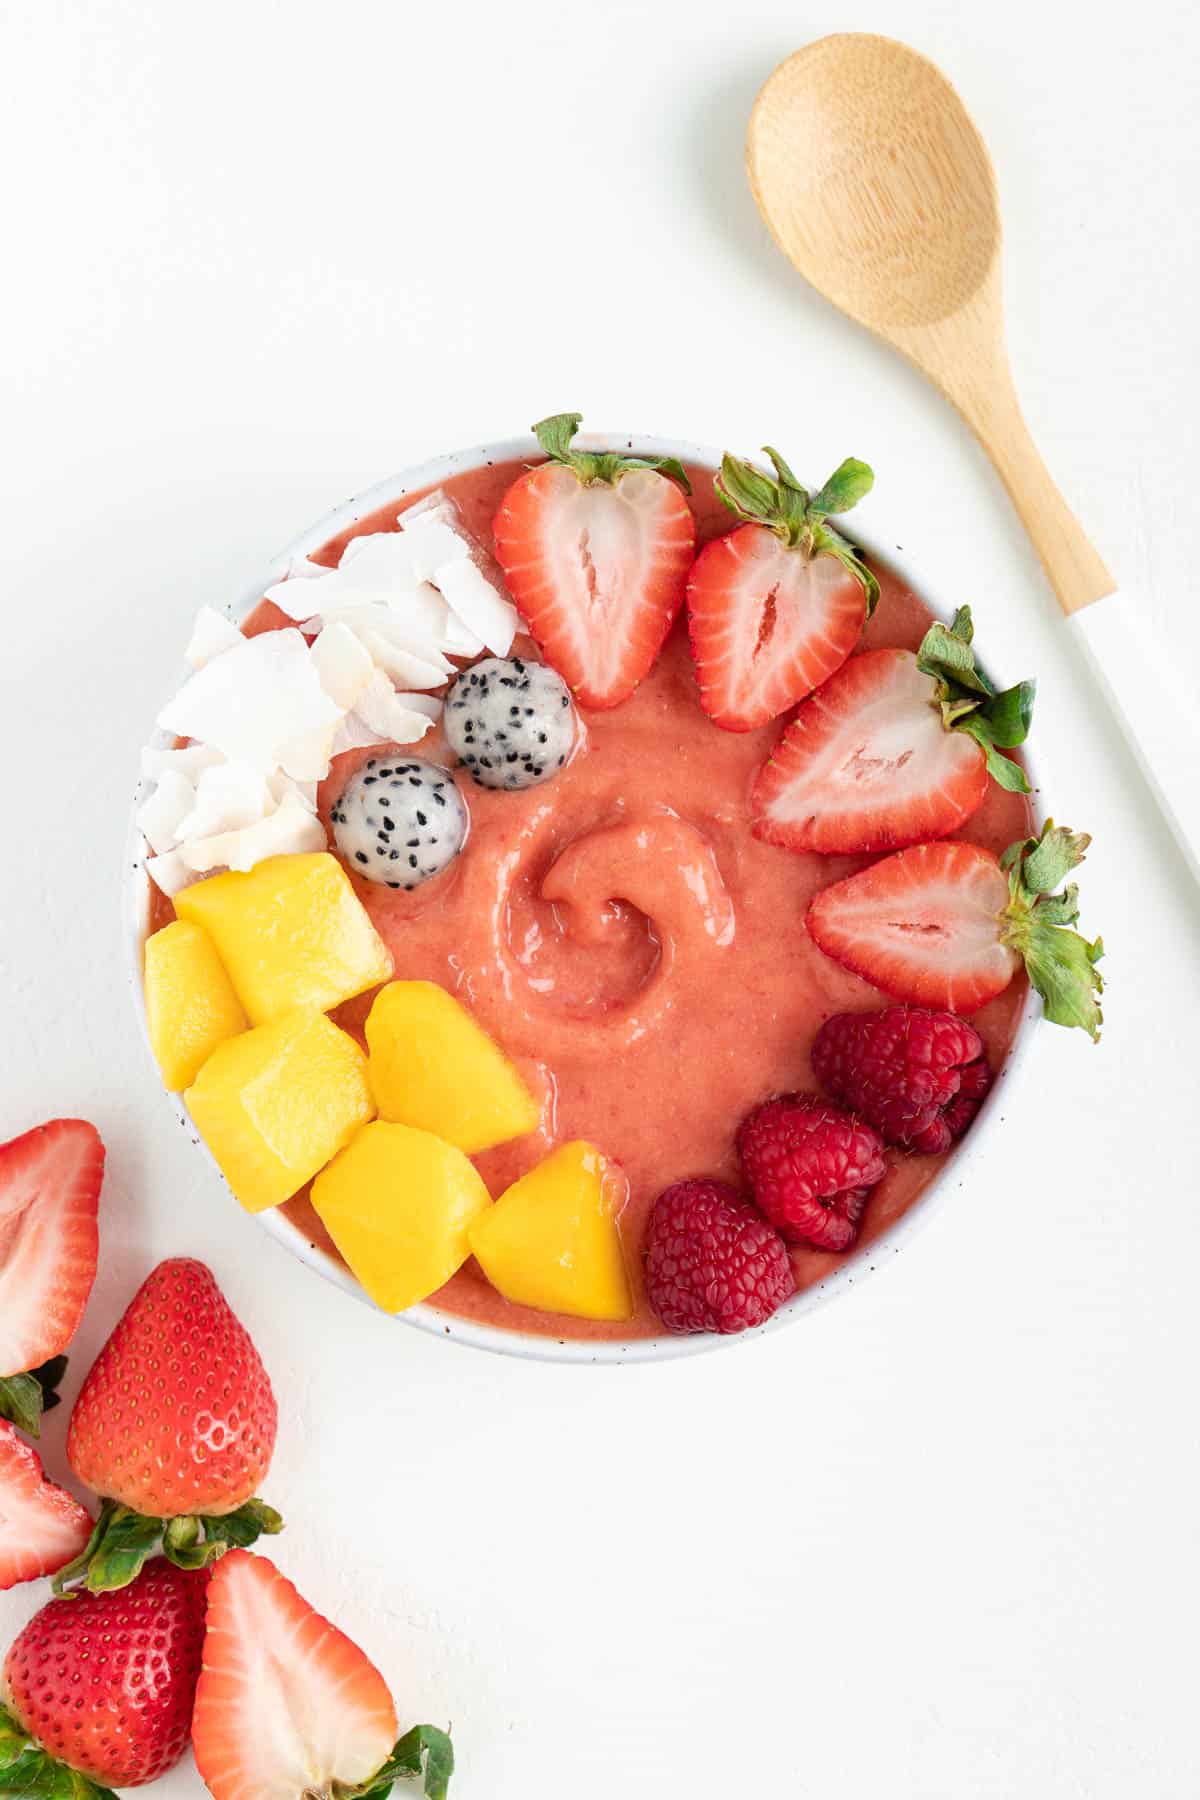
275,1104
434,1068
552,1241
291,932
190,1003
398,1204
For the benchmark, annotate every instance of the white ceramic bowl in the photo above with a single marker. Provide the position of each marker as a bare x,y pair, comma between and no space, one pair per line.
973,1150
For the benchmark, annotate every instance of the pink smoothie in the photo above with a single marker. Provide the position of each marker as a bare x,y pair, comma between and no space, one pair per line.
641,956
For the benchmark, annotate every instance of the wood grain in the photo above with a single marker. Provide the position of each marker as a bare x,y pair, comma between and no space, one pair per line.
876,184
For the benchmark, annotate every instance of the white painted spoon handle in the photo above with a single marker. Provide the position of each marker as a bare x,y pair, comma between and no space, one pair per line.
1161,721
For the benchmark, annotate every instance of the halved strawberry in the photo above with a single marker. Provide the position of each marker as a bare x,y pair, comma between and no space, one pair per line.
777,605
288,1707
895,748
49,1197
41,1526
948,925
595,548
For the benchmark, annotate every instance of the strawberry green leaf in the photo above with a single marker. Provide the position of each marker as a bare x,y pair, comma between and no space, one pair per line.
24,1398
423,1747
785,508
970,703
27,1770
555,434
123,1541
850,482
1036,923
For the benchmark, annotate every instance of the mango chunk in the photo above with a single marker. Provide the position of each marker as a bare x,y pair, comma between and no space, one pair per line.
398,1204
275,1104
190,1003
551,1240
434,1068
291,932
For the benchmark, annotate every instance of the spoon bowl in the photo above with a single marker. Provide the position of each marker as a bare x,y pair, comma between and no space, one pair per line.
876,184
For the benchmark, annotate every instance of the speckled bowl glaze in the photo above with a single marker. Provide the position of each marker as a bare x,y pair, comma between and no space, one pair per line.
971,1153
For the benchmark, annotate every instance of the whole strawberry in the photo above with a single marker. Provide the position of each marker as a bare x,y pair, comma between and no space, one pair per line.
916,1075
712,1262
810,1167
175,1428
104,1683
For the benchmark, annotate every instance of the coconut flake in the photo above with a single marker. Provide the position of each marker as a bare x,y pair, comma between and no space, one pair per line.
188,761
228,798
212,635
354,734
159,818
282,788
289,831
169,873
253,700
343,665
384,710
479,604
288,599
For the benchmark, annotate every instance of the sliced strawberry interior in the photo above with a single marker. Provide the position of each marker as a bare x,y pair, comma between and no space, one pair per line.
922,924
867,764
768,624
49,1191
42,1527
597,570
286,1705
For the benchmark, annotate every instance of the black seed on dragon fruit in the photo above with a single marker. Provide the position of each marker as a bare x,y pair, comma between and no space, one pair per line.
399,821
510,722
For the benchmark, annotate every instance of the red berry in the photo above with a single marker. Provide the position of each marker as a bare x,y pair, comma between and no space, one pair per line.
712,1262
106,1682
811,1167
916,1075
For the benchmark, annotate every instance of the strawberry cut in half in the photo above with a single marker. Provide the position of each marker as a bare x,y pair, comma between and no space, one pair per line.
100,1688
41,1526
174,1428
948,925
778,604
595,548
49,1243
894,749
288,1707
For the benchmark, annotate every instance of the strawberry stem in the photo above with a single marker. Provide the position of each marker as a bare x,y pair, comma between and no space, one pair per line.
795,515
24,1398
1036,923
122,1541
425,1746
592,466
970,703
28,1770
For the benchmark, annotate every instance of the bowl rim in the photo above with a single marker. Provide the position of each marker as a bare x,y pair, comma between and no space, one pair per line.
424,1317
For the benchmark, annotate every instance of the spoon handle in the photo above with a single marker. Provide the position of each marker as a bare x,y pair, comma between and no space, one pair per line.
1077,573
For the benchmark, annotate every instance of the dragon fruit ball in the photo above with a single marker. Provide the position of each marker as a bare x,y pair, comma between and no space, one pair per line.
399,821
510,722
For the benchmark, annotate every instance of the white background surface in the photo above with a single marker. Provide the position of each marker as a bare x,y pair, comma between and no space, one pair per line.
939,1539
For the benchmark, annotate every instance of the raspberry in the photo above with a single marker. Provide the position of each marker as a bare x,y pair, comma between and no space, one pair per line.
811,1167
917,1076
712,1262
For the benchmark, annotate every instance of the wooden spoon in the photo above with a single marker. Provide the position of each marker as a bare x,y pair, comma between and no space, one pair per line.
880,190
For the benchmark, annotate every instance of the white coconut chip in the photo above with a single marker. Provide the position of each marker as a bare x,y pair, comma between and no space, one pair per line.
384,710
432,544
228,798
253,701
287,598
479,604
212,635
289,831
282,788
342,664
355,734
307,758
169,873
189,760
160,816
